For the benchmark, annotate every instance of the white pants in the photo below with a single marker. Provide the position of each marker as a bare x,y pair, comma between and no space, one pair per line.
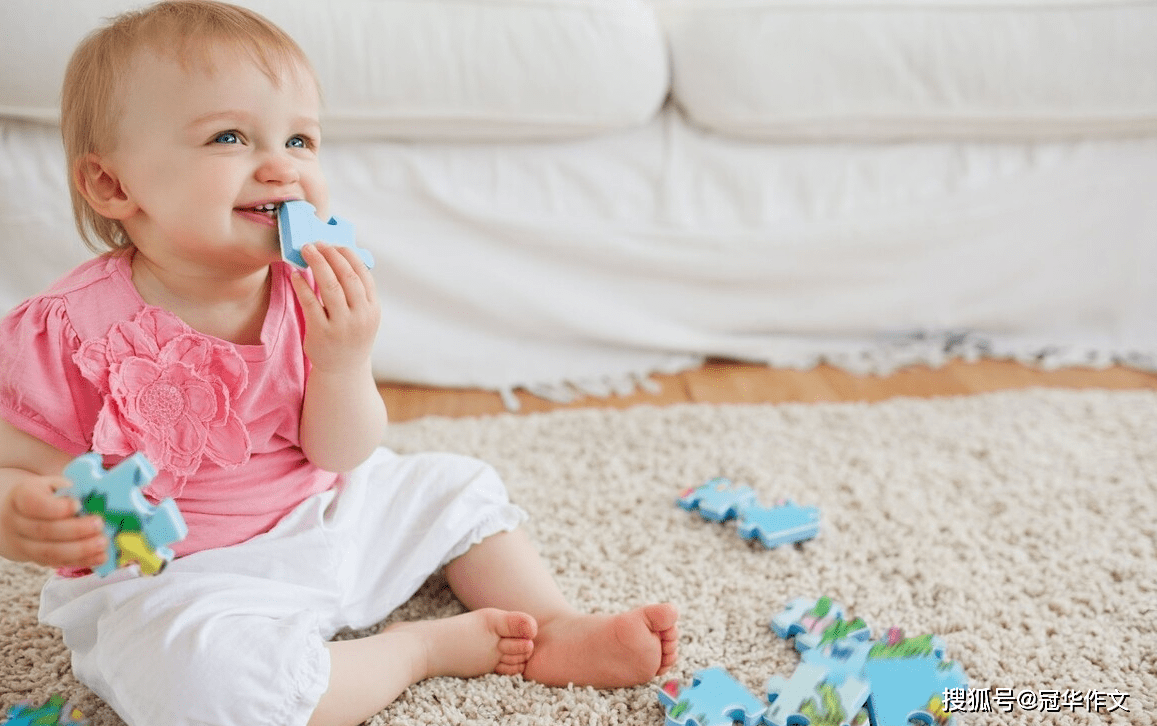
236,636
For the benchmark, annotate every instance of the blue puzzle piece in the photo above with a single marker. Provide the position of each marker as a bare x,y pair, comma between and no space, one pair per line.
713,699
841,659
137,530
905,677
55,712
806,615
782,524
298,225
815,622
718,499
908,677
811,695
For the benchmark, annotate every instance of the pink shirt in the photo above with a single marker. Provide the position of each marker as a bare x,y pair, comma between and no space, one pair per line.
89,365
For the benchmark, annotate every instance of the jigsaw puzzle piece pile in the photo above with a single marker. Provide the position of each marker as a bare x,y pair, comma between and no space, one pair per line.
137,531
721,500
845,677
54,712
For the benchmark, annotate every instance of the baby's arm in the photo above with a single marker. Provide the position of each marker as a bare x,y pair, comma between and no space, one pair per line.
343,416
35,524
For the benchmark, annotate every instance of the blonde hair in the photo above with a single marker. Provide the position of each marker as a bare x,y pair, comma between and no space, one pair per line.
187,30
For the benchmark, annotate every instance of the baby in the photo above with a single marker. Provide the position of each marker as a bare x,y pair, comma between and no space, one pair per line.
248,385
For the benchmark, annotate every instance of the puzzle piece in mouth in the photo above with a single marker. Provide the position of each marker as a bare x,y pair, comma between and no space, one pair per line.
298,225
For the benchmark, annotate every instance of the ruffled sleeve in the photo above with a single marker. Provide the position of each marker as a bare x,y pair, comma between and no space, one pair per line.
42,391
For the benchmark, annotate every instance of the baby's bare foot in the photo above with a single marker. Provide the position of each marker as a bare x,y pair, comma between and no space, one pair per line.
474,643
605,651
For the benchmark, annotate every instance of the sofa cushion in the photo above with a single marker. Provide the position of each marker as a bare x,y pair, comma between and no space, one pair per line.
871,69
461,69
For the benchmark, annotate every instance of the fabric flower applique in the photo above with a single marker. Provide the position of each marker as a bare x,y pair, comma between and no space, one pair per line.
169,394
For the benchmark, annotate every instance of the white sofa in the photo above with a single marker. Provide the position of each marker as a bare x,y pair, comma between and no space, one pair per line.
569,195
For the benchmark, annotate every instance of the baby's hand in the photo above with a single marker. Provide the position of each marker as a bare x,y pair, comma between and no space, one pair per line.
38,526
341,319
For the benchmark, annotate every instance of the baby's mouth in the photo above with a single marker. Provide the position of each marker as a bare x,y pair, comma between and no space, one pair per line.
269,209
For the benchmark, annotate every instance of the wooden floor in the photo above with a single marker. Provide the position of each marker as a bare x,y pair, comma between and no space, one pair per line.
726,382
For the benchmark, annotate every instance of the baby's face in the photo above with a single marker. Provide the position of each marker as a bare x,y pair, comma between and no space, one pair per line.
207,154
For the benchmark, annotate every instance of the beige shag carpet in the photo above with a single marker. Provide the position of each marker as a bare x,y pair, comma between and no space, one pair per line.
1018,526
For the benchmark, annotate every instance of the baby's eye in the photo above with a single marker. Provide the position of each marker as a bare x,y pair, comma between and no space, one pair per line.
227,137
299,142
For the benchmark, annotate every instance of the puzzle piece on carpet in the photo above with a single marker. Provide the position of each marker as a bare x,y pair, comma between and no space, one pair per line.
784,523
815,622
840,659
299,225
906,678
54,712
718,500
909,677
714,698
811,696
137,530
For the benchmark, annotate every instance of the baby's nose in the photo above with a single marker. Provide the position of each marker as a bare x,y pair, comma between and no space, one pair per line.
277,168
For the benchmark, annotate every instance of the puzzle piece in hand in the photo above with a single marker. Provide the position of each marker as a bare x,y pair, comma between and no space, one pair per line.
55,712
812,696
137,531
817,622
784,523
718,499
714,698
298,225
909,677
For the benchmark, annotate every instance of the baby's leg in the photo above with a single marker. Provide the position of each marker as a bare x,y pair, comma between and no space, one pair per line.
369,673
605,651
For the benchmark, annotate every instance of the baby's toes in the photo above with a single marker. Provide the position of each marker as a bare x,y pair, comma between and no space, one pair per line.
516,625
515,648
669,647
514,654
516,644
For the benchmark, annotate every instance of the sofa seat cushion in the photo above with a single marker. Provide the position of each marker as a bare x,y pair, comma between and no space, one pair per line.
411,69
882,69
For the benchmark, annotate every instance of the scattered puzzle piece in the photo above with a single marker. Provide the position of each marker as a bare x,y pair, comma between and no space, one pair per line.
717,500
804,615
720,500
841,659
811,697
298,225
714,698
55,712
815,622
137,530
784,523
908,677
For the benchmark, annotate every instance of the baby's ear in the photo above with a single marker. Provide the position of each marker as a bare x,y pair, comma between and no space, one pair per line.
99,184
